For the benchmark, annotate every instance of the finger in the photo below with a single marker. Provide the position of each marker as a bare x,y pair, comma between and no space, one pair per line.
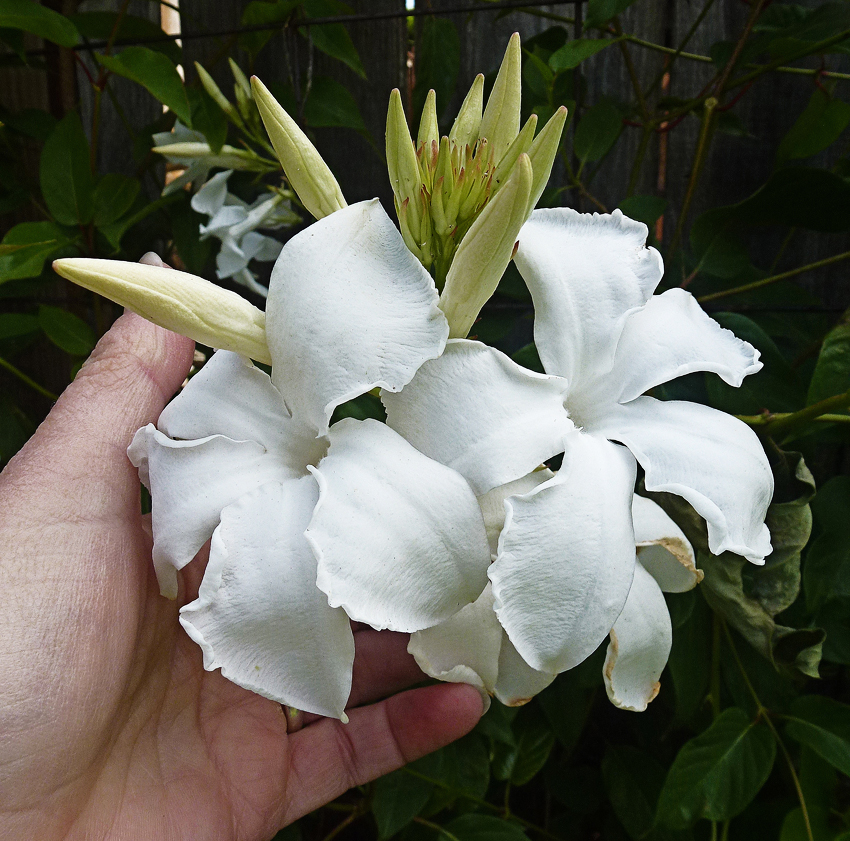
329,758
382,667
134,370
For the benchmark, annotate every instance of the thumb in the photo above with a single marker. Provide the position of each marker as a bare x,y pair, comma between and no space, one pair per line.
126,382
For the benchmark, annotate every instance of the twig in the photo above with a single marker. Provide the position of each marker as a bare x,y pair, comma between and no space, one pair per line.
28,380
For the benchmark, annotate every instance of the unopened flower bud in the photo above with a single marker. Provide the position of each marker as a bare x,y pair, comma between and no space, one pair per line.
178,301
485,251
309,175
500,122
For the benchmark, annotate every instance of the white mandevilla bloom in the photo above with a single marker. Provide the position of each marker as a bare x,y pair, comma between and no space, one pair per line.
313,523
472,647
235,222
565,558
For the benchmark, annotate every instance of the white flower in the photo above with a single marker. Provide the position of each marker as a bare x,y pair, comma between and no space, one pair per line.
235,223
472,647
566,555
390,537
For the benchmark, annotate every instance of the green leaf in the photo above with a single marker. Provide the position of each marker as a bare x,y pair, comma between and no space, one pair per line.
398,799
437,63
751,601
17,324
575,52
832,371
99,26
566,705
113,197
15,428
194,252
66,331
718,773
484,828
332,38
33,17
331,105
154,72
823,725
599,12
688,667
207,118
826,572
633,781
597,131
260,13
32,244
646,209
534,740
32,122
66,179
819,126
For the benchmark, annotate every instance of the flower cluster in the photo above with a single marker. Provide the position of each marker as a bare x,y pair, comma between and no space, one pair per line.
444,522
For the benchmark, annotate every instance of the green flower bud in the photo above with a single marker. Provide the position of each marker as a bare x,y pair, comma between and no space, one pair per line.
500,122
465,129
309,175
218,97
543,152
429,129
485,251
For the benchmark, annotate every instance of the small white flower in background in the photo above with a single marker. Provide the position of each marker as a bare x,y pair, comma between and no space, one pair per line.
188,148
235,222
313,523
565,559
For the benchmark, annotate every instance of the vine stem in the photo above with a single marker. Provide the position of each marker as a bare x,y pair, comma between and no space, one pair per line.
699,160
436,827
758,284
342,825
764,714
28,380
791,423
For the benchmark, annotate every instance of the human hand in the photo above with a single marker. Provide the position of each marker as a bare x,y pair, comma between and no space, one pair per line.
111,727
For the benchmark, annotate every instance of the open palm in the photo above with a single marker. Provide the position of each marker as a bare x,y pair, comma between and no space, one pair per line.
111,727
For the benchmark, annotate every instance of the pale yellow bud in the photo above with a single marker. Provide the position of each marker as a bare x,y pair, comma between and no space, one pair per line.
521,144
229,157
543,152
307,173
485,251
465,129
500,122
402,163
429,128
178,301
218,97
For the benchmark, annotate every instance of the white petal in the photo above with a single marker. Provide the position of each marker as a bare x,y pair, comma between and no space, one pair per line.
479,412
259,615
566,556
190,482
399,538
712,459
672,336
230,397
518,683
463,649
261,247
349,308
586,273
663,548
225,219
492,504
639,647
210,198
230,259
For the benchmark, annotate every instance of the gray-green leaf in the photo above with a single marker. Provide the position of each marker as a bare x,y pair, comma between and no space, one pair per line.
718,773
66,331
66,178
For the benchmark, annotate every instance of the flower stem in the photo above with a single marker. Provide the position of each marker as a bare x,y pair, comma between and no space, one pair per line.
764,714
28,380
781,427
766,281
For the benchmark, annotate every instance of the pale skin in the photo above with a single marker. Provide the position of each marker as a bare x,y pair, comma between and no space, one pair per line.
109,726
